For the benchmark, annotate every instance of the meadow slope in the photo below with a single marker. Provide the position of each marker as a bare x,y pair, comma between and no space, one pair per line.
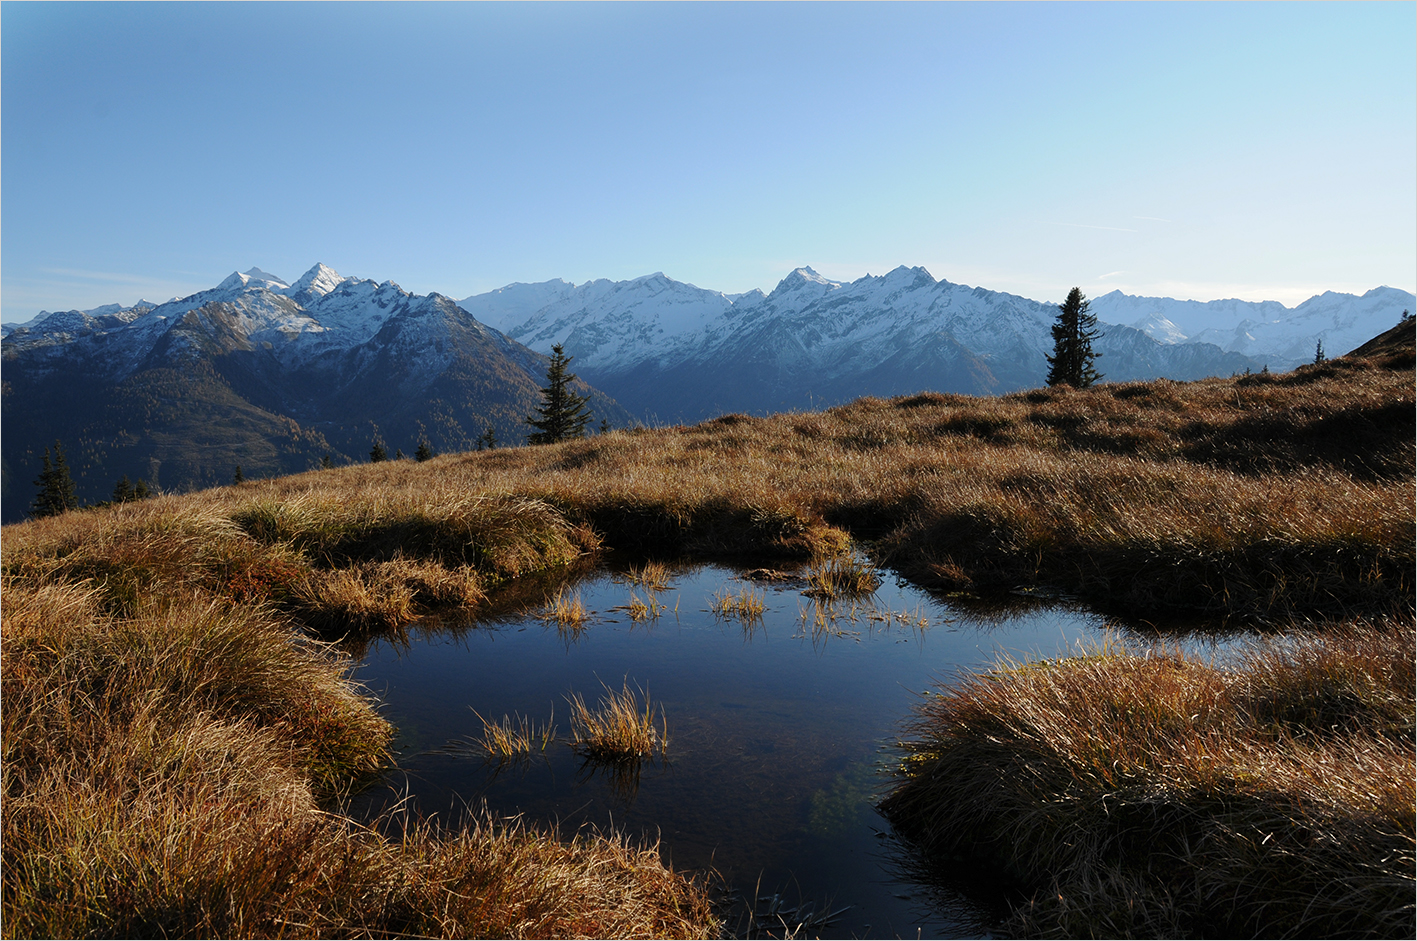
168,672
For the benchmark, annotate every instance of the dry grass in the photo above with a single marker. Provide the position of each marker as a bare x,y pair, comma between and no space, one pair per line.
1162,795
566,610
653,577
841,577
1260,500
619,728
513,737
163,773
745,604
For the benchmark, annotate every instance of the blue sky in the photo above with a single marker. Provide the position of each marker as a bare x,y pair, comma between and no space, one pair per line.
1263,151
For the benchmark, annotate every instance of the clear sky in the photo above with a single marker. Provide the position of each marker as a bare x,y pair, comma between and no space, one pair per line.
1263,151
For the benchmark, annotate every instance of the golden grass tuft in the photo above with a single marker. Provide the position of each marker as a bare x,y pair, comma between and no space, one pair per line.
652,577
566,610
745,604
1145,794
619,728
513,737
841,577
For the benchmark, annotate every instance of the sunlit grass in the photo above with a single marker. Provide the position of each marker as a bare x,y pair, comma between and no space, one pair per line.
566,610
1264,781
619,727
513,737
842,577
745,604
652,577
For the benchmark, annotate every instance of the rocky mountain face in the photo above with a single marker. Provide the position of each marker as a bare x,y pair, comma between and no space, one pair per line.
258,373
670,351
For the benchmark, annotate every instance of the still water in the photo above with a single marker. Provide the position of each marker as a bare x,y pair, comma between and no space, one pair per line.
777,730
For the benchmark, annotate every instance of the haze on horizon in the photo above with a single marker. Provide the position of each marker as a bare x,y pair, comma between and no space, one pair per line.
1258,151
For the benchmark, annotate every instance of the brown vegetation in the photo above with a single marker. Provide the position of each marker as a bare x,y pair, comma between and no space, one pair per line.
169,723
1165,796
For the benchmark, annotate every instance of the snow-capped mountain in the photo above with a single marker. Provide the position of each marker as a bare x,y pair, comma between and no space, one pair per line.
263,373
1265,330
673,351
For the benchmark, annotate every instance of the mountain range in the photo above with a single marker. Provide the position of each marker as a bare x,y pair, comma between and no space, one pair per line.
671,351
256,372
275,375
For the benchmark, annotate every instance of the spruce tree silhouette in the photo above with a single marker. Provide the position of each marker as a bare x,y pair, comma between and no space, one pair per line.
562,414
1073,333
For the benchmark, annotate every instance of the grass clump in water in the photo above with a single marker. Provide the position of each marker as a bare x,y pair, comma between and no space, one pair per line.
620,728
513,737
566,611
653,577
841,577
746,604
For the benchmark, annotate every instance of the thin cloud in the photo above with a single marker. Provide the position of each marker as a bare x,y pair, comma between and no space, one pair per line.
1110,274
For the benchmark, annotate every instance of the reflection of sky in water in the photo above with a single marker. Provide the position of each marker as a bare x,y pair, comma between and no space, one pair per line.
775,732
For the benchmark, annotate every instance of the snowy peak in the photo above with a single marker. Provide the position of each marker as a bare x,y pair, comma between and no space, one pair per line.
804,276
256,274
318,281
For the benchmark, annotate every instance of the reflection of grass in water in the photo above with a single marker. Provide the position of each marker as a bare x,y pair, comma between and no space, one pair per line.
845,803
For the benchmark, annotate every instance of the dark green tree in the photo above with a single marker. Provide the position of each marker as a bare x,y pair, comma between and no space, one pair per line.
238,477
378,452
325,462
1073,333
140,490
398,454
1319,356
488,440
424,452
123,490
56,487
562,414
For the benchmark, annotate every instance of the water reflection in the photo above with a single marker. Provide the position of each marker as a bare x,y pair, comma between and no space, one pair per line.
781,707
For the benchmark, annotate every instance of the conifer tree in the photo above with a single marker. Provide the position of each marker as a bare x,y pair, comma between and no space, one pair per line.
1073,333
562,414
140,490
123,490
378,452
488,439
325,462
238,478
56,487
424,452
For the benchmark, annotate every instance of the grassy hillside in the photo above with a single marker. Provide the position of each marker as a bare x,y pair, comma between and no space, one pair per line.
164,675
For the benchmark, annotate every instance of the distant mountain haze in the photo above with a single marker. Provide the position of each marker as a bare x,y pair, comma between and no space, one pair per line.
273,375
